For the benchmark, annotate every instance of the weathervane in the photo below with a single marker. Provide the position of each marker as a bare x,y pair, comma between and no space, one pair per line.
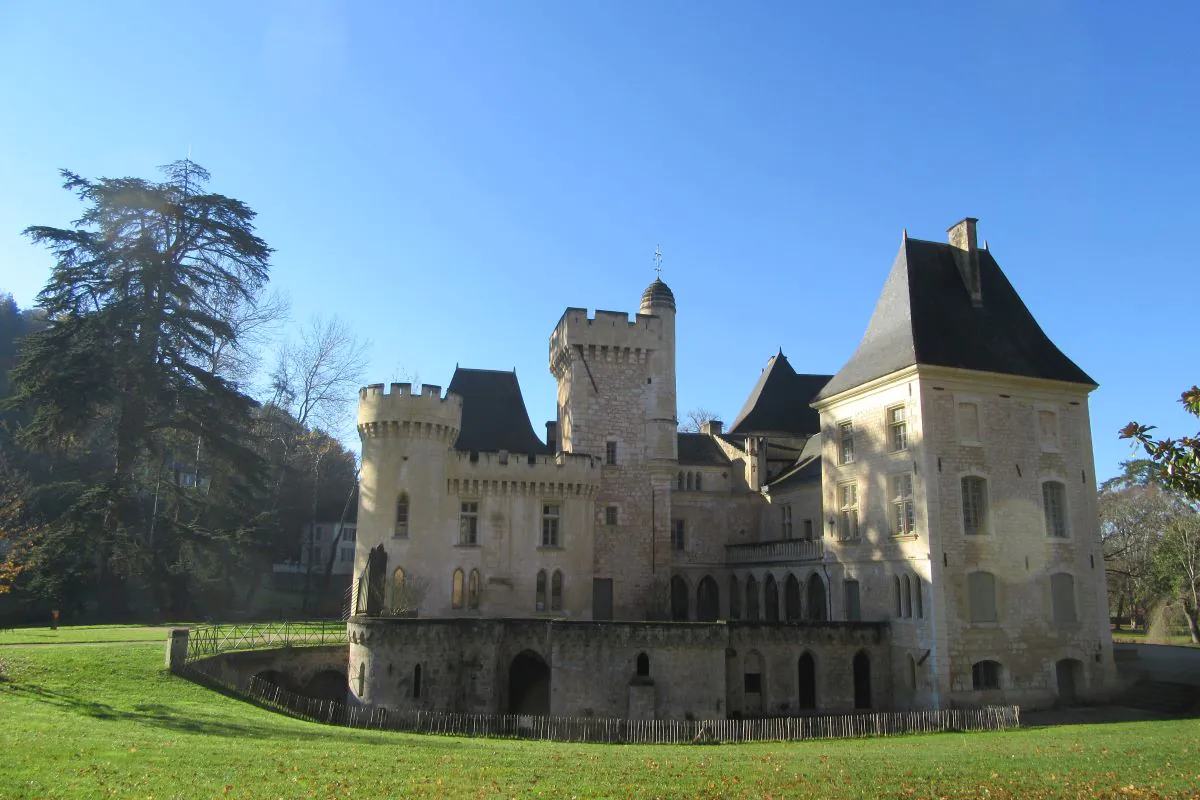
658,261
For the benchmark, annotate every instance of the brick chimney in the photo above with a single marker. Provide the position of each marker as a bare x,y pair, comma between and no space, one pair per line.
712,428
966,256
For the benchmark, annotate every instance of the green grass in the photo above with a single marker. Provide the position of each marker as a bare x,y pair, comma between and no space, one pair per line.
84,634
104,720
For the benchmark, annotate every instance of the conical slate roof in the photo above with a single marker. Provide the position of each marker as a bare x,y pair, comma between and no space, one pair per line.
925,316
494,416
779,402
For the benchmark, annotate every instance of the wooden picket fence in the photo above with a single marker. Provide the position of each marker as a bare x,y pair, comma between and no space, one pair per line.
636,731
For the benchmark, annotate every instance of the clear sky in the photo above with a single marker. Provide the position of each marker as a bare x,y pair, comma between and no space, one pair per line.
448,177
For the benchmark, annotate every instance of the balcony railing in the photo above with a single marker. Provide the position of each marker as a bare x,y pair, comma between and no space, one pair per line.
781,550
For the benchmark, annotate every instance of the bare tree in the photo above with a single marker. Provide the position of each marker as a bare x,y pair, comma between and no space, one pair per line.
696,418
252,323
407,596
316,377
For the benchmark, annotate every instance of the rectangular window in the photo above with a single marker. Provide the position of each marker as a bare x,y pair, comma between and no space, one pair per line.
401,529
848,510
846,443
610,515
985,675
901,491
1054,504
349,534
752,683
1048,429
610,453
897,418
808,530
974,505
981,596
785,520
968,422
853,609
677,540
550,525
347,555
468,524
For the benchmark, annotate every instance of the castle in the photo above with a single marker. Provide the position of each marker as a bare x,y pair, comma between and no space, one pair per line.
917,531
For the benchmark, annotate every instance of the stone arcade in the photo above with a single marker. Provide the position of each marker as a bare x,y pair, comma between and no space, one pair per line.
917,531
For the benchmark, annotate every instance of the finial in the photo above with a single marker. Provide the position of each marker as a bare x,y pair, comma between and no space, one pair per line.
658,262
904,236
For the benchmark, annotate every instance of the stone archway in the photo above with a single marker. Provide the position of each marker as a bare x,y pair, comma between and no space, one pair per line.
708,600
328,684
816,598
791,599
528,684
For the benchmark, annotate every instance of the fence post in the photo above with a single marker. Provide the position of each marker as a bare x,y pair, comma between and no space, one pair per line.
177,648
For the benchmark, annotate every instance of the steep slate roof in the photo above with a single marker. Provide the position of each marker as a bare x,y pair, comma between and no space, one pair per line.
925,316
779,402
494,416
700,449
807,468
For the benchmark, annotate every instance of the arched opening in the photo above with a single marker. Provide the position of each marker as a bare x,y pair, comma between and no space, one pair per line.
556,581
456,590
539,600
791,598
273,677
679,481
771,599
362,678
327,685
690,479
643,665
529,684
918,597
399,600
807,683
1068,672
699,481
708,600
752,684
907,597
735,598
473,589
818,611
416,682
862,680
679,599
898,598
752,611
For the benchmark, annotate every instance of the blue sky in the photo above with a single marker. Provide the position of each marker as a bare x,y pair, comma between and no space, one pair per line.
448,177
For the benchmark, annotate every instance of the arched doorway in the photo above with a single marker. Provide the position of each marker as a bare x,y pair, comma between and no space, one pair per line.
807,683
771,599
679,599
816,599
791,599
529,684
708,600
862,680
1067,672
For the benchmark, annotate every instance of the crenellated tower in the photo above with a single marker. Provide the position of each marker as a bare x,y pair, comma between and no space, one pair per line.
616,401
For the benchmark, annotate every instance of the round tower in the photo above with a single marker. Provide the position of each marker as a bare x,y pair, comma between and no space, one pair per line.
407,439
661,413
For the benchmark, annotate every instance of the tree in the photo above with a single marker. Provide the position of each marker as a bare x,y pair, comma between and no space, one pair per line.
137,302
1177,568
696,419
1178,460
316,377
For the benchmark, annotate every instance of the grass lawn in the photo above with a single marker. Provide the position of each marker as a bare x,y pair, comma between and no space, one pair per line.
104,720
84,634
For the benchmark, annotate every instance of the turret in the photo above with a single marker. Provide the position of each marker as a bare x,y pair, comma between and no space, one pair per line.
661,413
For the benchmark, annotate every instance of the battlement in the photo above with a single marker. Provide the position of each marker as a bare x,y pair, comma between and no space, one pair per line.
401,411
513,473
607,335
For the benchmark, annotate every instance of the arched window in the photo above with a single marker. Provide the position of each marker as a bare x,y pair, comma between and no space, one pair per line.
643,665
699,481
556,591
752,611
539,601
690,480
791,599
679,481
817,606
735,598
362,678
401,528
473,589
985,675
899,597
771,598
1062,598
679,599
399,595
456,590
919,596
907,597
708,600
416,681
981,596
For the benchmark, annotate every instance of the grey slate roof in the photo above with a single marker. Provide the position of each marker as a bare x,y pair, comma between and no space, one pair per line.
807,468
494,415
925,316
779,402
699,449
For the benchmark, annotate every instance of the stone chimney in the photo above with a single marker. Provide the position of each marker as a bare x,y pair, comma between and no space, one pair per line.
966,256
552,435
712,428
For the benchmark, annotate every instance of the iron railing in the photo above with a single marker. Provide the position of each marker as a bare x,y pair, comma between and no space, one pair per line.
210,640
